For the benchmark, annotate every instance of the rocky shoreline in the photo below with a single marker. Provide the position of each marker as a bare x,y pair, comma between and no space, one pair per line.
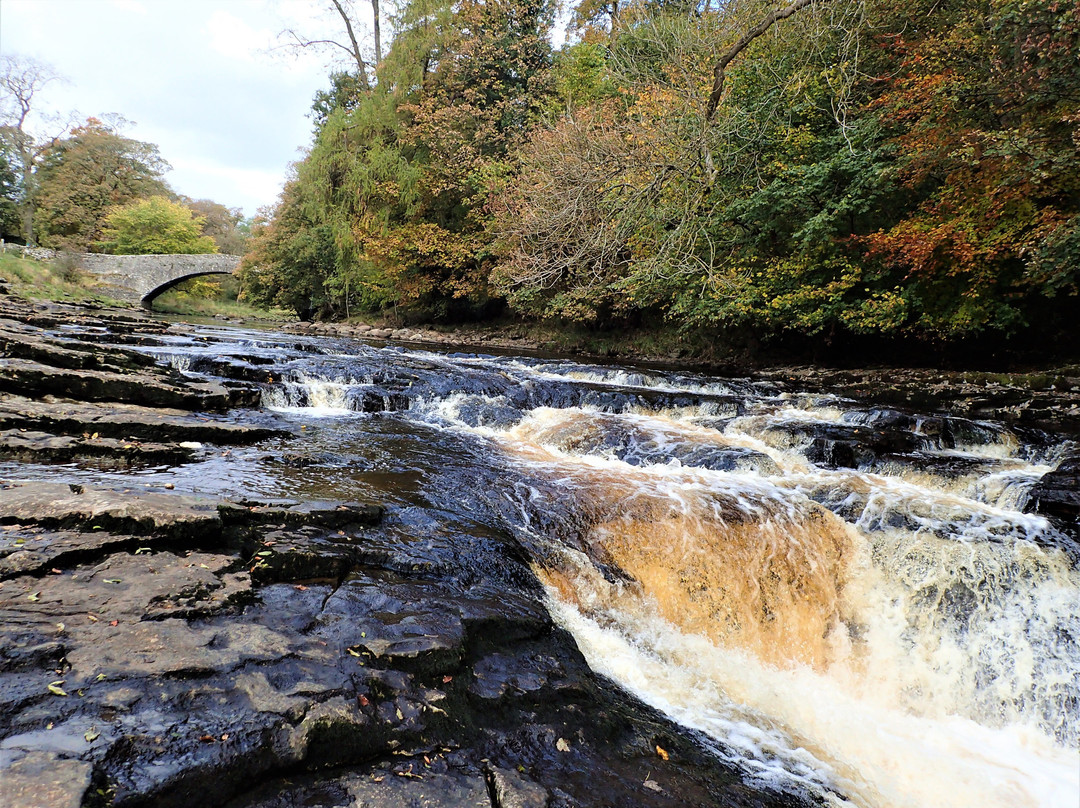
169,650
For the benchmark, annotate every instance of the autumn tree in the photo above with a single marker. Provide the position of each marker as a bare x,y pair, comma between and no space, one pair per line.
85,175
154,226
226,226
290,257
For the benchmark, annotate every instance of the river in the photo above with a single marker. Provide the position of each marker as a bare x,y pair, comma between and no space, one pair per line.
896,635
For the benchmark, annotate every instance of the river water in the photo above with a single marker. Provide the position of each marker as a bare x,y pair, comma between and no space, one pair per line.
902,635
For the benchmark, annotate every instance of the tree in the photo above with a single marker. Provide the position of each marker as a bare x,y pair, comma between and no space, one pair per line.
154,226
290,257
21,79
10,222
346,42
82,177
226,226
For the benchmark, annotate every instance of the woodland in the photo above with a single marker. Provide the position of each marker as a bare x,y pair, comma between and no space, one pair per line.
830,167
736,171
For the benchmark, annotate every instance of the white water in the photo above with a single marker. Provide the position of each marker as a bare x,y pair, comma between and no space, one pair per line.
312,396
900,637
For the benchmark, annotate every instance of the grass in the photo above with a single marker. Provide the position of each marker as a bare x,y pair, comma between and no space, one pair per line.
59,280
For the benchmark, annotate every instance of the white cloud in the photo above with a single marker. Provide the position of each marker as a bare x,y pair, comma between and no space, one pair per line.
196,75
234,38
133,6
202,177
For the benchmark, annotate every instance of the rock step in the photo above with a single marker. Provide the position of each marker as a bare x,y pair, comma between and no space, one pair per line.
59,505
20,376
61,416
69,353
42,447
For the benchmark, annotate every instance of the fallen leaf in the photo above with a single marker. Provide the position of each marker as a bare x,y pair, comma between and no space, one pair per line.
363,700
224,736
92,735
113,581
55,571
93,618
114,623
100,677
653,785
56,690
447,679
400,717
662,753
353,652
34,597
300,588
562,745
207,738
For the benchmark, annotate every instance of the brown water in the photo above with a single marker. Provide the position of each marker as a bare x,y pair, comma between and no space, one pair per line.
895,635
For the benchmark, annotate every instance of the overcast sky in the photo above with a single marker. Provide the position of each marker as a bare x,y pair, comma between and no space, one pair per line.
195,77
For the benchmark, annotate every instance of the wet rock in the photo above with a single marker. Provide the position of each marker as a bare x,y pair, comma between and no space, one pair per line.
42,447
1057,495
43,779
511,790
18,375
91,508
126,421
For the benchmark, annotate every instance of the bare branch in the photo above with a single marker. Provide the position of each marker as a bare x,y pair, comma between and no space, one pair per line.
360,63
740,46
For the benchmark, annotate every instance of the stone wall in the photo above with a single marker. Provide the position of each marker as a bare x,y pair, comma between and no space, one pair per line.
138,278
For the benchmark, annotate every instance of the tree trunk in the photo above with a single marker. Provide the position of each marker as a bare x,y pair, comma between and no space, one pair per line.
361,65
378,32
740,46
26,205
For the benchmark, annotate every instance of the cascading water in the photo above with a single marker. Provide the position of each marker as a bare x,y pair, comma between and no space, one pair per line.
843,602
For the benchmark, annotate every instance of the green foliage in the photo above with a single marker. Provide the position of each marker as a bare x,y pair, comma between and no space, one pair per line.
154,226
9,194
226,226
860,173
84,176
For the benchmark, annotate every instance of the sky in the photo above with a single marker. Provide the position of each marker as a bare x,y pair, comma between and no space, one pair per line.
201,79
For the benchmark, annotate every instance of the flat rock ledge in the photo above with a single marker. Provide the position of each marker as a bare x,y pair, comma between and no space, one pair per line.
159,649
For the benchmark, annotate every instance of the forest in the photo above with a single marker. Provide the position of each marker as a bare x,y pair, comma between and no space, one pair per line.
827,167
727,170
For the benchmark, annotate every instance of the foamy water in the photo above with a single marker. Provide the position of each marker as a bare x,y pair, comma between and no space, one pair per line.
895,636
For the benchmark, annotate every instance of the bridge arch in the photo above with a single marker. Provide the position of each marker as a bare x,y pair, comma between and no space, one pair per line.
147,300
141,278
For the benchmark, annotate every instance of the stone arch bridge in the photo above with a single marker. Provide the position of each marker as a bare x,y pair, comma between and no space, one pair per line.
141,278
